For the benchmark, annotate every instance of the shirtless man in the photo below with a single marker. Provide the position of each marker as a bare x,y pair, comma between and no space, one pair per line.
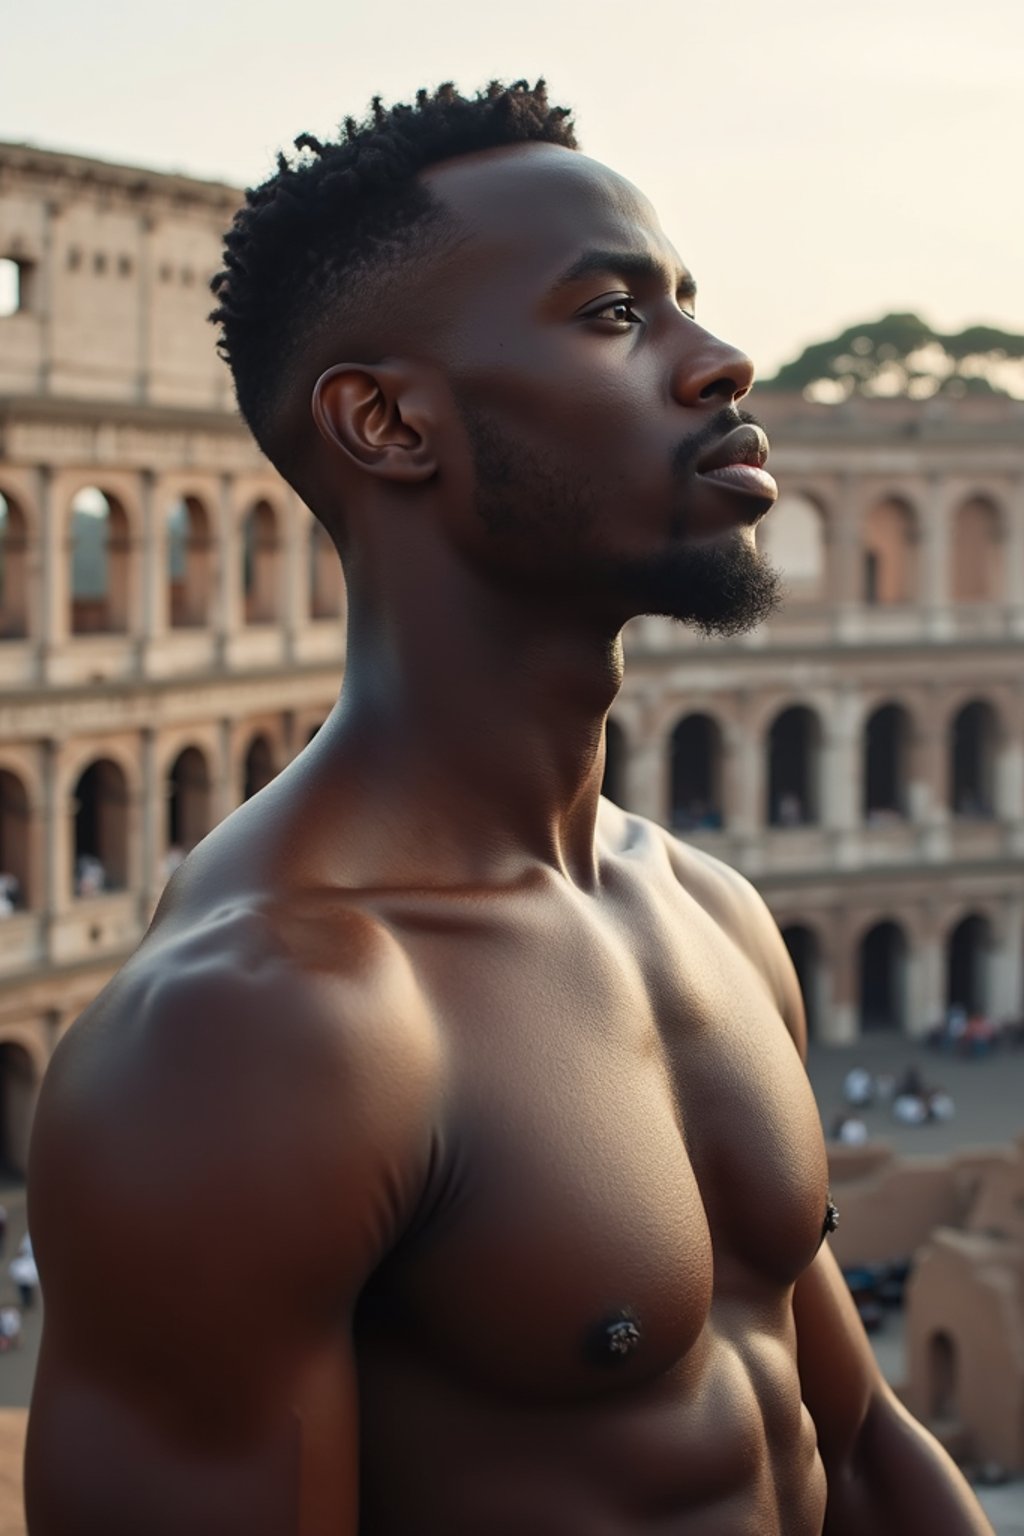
518,1074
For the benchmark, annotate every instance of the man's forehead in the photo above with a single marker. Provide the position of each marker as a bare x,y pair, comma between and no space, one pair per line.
545,199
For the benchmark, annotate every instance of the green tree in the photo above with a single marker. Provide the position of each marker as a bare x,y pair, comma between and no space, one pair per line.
902,355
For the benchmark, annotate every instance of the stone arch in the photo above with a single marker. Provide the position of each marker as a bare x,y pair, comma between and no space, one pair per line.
887,739
794,539
970,950
21,1072
695,777
794,762
973,745
616,753
805,951
258,765
100,553
14,583
326,582
189,801
190,558
976,562
882,965
942,1378
262,564
15,844
101,829
890,553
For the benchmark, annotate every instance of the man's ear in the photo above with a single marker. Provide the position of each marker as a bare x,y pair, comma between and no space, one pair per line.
379,416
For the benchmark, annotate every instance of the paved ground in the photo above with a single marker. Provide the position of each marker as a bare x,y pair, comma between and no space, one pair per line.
988,1094
989,1097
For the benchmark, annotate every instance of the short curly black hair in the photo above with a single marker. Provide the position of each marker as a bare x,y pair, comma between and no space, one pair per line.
319,242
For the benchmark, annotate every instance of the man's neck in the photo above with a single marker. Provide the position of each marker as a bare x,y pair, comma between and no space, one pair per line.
472,725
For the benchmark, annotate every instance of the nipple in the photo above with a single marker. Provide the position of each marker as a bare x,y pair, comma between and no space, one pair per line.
831,1216
616,1339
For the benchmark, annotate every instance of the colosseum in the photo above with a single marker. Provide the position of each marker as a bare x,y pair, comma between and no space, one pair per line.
172,633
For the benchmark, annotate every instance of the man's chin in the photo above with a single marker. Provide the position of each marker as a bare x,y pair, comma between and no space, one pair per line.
720,588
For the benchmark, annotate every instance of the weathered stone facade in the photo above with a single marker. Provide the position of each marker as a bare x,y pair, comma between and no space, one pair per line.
146,692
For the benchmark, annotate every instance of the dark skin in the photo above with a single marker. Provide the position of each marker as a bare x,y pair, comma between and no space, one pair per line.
436,1073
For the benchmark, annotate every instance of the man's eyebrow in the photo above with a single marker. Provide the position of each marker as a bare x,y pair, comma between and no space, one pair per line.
634,265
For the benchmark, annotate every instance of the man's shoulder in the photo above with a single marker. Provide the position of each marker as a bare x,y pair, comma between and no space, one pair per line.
221,1027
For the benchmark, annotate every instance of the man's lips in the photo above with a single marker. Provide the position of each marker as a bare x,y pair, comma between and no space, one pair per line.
737,461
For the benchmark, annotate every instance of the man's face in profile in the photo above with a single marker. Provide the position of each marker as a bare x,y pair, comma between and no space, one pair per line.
594,405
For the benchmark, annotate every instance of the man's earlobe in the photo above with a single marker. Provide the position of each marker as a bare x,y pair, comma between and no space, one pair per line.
378,415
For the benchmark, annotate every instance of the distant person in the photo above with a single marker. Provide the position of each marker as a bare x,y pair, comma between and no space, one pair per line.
90,877
858,1087
22,1270
10,1328
849,1130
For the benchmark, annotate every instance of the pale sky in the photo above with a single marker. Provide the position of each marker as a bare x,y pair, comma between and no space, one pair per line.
816,162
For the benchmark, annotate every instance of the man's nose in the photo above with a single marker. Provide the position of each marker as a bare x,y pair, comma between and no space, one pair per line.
712,372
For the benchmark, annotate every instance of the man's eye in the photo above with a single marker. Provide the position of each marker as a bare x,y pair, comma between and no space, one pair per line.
616,309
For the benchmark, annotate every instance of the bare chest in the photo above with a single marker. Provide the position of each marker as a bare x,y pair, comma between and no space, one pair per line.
629,1141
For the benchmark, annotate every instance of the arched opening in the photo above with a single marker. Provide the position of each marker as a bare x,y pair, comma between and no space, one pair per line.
259,767
793,539
696,778
890,574
326,583
613,782
261,565
99,564
973,747
793,753
13,571
18,1089
189,563
14,845
882,968
805,954
885,764
968,963
942,1373
188,805
101,830
977,569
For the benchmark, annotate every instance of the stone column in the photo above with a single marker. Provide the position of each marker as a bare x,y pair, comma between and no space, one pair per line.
846,561
1006,1000
227,573
936,588
745,762
223,791
1015,557
40,822
152,621
297,528
49,573
151,823
931,789
842,1026
59,838
842,787
647,775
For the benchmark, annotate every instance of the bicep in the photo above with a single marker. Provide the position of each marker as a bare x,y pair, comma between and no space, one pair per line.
108,1453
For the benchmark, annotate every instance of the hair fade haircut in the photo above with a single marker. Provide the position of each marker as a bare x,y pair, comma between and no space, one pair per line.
320,242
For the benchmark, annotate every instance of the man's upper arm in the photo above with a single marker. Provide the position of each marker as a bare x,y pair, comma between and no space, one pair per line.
223,1151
